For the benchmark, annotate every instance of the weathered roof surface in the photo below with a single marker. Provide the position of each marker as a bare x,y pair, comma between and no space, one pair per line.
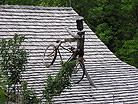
116,82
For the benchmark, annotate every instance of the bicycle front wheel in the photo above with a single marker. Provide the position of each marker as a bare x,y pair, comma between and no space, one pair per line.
78,72
49,55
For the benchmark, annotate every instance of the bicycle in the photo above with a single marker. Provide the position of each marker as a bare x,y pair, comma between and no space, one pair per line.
50,56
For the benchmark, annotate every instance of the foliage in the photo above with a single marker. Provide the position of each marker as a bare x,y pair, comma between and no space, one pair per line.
12,63
13,60
119,27
13,57
2,88
59,3
116,22
20,2
29,96
55,85
130,56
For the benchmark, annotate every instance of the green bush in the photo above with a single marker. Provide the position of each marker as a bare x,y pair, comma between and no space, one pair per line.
12,63
55,85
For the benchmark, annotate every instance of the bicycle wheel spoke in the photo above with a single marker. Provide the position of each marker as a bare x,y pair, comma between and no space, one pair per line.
78,73
49,55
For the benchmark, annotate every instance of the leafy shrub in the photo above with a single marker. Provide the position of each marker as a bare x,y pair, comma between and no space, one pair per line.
12,63
55,85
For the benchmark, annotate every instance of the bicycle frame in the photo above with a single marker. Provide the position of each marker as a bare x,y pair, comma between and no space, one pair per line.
59,45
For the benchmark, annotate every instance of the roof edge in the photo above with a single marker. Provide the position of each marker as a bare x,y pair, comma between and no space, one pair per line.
34,7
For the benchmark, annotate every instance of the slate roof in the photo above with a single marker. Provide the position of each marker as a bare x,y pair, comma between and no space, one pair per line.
116,82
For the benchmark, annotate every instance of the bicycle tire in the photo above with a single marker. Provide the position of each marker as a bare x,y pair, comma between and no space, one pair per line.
49,55
78,73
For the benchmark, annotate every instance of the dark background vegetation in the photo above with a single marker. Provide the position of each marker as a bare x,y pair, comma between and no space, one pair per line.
115,22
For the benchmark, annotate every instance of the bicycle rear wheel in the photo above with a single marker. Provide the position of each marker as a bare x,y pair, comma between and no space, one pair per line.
78,73
49,55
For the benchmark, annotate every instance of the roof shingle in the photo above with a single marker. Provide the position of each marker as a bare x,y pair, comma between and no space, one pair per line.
116,82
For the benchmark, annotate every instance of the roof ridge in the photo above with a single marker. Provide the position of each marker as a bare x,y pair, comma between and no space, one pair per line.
34,7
